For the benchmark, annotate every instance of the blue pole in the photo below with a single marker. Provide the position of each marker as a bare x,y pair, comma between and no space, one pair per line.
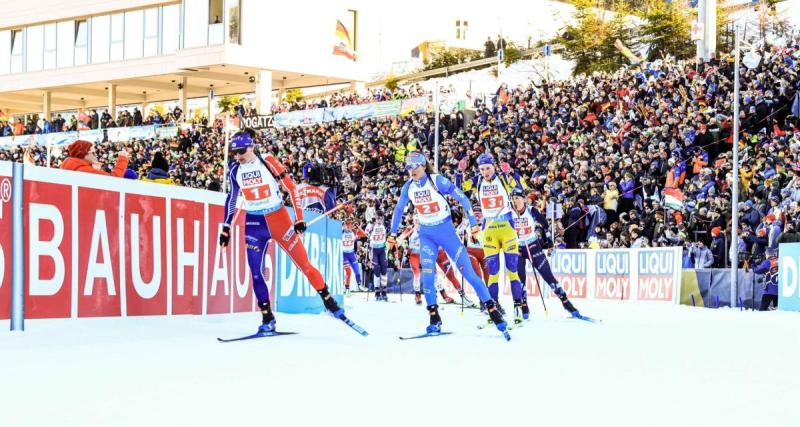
17,251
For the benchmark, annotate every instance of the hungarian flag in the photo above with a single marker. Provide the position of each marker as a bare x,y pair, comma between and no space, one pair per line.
673,198
344,44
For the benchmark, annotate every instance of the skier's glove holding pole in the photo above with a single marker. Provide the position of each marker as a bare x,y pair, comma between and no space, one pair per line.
225,236
300,227
475,230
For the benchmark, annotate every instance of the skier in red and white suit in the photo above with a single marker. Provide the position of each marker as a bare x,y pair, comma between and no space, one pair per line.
266,218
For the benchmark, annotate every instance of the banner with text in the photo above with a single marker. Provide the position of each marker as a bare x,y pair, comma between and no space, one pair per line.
353,112
789,276
5,239
103,246
647,274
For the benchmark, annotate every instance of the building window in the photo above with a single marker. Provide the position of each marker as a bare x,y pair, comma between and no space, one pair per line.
151,32
100,38
234,21
214,12
34,51
17,48
134,34
216,28
81,42
117,37
50,42
170,28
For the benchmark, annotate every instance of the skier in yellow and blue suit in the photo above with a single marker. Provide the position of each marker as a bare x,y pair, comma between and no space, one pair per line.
493,191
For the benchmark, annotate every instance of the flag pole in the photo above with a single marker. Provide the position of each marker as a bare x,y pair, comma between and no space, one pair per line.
734,255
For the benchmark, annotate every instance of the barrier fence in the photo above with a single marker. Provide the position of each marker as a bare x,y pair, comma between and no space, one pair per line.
104,246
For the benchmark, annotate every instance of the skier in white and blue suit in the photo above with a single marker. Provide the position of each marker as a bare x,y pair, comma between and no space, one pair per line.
426,192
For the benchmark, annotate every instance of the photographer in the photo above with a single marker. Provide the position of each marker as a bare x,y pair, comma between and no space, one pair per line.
701,256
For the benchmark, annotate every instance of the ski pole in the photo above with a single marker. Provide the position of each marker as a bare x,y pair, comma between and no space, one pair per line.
461,268
535,277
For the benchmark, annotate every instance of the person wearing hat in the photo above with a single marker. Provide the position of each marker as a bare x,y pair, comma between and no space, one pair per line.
425,191
769,268
718,247
159,170
527,222
82,158
257,179
499,236
750,216
378,256
350,234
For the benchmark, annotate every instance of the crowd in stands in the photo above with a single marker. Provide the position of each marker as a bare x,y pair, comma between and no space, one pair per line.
341,99
87,120
600,153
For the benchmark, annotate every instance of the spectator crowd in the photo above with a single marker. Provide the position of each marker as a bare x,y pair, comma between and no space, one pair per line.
636,158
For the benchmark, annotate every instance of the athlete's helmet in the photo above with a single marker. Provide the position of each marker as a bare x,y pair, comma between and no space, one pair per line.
771,252
241,140
414,160
485,159
517,192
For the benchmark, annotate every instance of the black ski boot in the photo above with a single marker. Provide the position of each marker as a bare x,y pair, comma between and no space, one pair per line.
496,315
267,319
435,325
330,304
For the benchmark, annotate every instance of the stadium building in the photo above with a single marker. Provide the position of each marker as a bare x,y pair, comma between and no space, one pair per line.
66,55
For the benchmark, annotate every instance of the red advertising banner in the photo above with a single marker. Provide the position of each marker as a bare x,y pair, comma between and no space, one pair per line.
48,246
146,277
5,240
101,246
98,243
188,262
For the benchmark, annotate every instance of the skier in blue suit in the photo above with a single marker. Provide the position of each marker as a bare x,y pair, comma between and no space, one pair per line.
426,192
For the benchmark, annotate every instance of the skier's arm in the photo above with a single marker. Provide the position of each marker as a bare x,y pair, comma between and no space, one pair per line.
280,173
233,195
763,267
397,215
446,187
538,217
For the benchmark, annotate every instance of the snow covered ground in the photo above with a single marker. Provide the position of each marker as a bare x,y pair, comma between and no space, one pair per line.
646,365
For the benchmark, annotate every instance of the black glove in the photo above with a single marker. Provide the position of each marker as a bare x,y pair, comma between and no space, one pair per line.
300,227
225,235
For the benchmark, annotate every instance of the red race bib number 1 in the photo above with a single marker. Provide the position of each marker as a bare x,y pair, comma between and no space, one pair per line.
260,192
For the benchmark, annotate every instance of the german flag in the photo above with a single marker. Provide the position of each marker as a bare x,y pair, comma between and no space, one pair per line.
344,44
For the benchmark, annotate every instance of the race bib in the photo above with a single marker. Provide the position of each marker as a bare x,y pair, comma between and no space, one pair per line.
254,194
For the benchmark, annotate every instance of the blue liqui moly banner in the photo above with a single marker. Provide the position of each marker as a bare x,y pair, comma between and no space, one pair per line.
293,291
658,277
789,276
613,275
571,268
648,274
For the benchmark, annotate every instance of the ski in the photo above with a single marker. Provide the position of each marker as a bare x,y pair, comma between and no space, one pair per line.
484,325
256,335
425,335
516,324
505,333
585,318
353,325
